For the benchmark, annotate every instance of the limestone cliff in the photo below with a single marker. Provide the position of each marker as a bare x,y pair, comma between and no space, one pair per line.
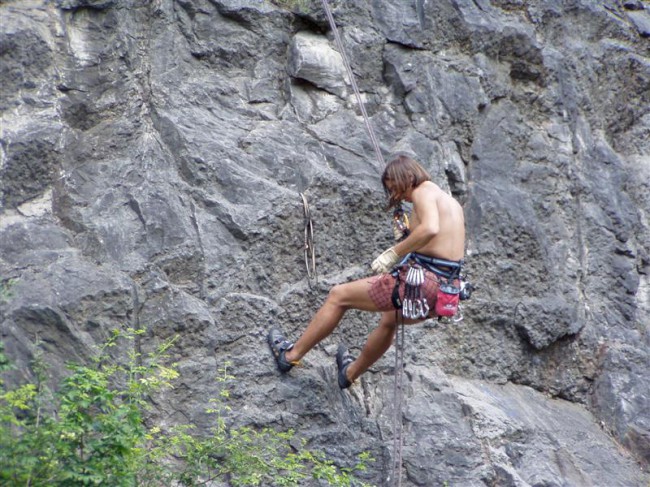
151,159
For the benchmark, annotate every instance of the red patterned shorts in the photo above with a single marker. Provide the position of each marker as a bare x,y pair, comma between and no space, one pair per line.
381,289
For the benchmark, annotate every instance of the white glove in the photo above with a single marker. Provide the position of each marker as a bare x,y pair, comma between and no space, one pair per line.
385,262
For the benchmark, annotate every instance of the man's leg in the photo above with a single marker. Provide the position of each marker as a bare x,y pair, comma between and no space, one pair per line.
379,340
341,298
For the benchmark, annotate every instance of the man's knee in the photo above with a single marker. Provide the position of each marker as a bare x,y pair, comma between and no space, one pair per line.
337,295
388,320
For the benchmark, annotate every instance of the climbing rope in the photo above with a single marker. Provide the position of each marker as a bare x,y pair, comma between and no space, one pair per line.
310,251
366,119
399,328
397,398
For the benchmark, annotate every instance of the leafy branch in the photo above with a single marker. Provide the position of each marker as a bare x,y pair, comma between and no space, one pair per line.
95,432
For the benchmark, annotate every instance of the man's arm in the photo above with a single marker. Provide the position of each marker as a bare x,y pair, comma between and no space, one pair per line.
425,205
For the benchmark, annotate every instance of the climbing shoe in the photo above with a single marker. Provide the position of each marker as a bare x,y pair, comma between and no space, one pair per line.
280,346
343,360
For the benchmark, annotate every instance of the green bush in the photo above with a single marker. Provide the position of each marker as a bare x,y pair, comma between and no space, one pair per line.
92,431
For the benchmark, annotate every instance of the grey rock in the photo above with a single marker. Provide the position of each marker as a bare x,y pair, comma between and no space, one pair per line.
151,160
619,395
312,59
633,5
75,4
641,20
31,163
504,417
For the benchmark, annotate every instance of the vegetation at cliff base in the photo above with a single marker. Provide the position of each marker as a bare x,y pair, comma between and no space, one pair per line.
94,431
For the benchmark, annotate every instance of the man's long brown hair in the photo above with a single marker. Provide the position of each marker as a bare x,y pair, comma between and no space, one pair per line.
404,173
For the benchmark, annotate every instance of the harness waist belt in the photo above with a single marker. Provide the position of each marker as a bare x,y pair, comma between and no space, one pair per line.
442,267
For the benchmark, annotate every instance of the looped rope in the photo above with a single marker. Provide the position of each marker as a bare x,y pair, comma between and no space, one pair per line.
310,251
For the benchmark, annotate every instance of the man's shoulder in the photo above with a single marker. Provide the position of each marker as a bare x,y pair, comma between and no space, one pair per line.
428,188
427,185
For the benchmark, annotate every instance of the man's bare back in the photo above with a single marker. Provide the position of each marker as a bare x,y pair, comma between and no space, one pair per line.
449,242
437,224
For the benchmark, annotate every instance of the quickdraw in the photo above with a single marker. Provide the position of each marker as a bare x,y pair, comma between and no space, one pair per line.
414,306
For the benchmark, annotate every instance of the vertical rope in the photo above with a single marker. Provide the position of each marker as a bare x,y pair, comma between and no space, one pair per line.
399,330
397,398
366,119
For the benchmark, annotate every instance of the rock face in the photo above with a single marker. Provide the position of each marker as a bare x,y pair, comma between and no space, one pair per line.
151,159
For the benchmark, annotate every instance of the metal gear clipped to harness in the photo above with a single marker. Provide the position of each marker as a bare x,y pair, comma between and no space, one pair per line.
401,225
414,306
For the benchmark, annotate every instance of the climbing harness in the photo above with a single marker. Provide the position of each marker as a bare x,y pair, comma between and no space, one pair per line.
310,251
453,286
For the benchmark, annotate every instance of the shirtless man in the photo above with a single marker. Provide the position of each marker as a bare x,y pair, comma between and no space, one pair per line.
436,240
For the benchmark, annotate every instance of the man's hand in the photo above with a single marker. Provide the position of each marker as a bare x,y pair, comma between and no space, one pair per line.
385,262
